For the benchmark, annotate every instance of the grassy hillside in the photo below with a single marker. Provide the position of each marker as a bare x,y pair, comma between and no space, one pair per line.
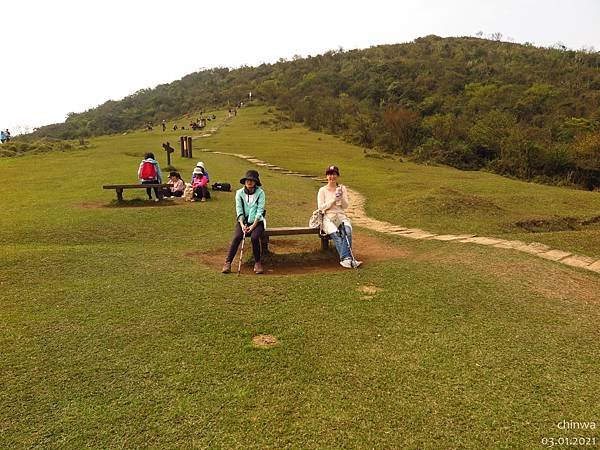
531,113
116,334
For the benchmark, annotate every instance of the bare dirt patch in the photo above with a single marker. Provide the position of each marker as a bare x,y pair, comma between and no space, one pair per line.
133,203
264,341
369,290
301,256
92,205
558,224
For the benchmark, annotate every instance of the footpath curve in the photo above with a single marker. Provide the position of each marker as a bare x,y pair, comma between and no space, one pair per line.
356,212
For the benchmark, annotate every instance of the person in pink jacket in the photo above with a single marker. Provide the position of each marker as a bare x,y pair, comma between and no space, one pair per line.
199,183
176,185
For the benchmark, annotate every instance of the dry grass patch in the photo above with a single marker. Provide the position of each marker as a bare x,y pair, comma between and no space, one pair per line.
369,291
264,341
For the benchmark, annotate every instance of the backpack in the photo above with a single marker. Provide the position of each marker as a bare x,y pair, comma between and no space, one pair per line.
148,171
221,187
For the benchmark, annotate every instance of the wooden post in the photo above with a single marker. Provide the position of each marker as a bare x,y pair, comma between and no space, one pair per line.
189,146
181,142
264,244
167,148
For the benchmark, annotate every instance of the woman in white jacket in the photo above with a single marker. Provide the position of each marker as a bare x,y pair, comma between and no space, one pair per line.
332,200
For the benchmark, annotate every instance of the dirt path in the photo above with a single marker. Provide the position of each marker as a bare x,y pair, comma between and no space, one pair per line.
357,214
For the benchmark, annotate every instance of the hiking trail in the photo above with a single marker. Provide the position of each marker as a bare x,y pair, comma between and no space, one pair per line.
357,214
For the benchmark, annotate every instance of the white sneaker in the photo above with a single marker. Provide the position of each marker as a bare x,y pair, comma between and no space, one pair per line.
356,264
347,263
157,199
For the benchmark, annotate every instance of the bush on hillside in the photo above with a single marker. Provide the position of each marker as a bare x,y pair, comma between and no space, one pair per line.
17,146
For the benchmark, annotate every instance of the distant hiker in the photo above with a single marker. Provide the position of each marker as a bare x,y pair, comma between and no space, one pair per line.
249,209
199,184
149,173
332,200
2,136
177,186
164,125
6,135
175,127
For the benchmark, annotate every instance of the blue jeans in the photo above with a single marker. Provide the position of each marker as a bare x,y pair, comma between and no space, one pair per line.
340,243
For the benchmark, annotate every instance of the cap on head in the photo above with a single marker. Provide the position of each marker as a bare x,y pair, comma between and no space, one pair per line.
200,164
331,170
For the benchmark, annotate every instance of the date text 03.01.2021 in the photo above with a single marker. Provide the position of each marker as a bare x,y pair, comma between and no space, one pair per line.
568,440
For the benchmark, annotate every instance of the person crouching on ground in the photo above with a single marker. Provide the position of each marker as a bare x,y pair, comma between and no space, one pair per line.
201,165
250,208
199,185
332,200
149,173
176,185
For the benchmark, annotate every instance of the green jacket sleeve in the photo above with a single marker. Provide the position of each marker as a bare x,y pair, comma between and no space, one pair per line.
260,208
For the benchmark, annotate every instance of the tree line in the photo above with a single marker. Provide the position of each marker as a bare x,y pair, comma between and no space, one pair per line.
472,103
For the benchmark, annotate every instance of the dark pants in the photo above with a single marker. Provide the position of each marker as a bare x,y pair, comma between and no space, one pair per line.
201,192
166,192
149,191
254,236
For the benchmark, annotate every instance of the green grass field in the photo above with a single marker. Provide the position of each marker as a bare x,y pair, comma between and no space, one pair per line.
114,333
438,199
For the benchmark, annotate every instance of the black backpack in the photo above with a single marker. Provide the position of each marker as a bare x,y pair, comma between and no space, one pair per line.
221,187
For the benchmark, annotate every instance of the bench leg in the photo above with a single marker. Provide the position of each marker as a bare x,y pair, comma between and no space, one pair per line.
120,194
264,244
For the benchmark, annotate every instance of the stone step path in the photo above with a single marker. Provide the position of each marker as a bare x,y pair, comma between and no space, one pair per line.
356,212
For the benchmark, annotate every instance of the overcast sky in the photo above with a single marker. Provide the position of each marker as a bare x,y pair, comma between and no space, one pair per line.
68,56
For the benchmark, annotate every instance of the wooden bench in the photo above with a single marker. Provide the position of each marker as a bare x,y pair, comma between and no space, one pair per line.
290,231
120,187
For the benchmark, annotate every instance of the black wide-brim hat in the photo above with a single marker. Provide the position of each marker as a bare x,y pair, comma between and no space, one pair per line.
251,175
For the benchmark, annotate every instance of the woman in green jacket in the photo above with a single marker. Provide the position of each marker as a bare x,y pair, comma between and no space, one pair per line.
250,208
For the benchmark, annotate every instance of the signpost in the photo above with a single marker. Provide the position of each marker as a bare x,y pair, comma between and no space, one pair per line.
169,150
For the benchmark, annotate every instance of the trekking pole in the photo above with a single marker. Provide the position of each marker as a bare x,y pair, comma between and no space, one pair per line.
343,227
241,253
